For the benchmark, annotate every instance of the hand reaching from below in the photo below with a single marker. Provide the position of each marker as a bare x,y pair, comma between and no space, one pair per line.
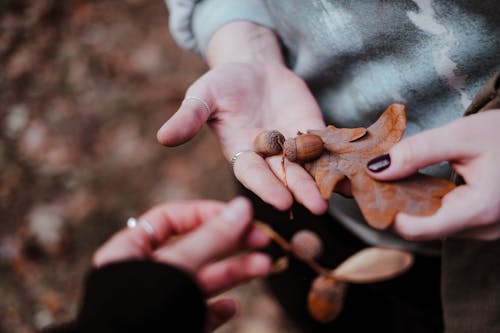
245,98
472,145
209,232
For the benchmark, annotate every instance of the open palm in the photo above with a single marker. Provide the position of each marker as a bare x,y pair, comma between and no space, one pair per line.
243,100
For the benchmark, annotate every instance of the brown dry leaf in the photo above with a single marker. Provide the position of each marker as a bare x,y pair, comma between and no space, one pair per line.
348,151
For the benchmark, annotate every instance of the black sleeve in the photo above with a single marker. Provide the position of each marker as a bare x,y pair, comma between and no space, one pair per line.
140,296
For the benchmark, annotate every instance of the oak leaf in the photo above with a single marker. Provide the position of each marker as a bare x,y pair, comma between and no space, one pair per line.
346,154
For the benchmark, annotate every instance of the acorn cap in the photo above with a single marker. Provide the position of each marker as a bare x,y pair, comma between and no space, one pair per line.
290,147
268,143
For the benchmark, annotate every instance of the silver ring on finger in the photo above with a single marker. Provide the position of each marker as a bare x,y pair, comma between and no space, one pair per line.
146,226
198,99
238,154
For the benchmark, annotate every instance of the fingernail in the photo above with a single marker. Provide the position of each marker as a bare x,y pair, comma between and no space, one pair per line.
258,238
379,163
260,264
160,133
236,210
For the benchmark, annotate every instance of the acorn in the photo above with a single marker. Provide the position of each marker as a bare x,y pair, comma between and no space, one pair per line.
326,298
268,143
307,244
304,148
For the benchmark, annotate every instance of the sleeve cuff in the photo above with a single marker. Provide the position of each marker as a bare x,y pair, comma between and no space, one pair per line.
192,23
141,296
211,15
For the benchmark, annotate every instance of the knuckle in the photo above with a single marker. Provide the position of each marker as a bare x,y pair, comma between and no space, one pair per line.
231,273
141,244
405,154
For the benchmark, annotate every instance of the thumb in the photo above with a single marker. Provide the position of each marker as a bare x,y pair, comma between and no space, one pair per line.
216,238
421,150
193,113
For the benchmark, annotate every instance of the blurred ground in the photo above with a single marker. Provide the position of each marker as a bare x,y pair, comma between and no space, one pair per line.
84,85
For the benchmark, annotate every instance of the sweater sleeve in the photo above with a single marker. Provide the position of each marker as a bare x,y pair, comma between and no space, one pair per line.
141,296
192,23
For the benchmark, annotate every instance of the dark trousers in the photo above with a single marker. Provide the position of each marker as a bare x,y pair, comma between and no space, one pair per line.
408,303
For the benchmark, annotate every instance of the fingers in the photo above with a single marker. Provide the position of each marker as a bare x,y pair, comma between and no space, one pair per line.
165,220
214,239
453,217
471,210
301,184
192,114
255,239
222,275
125,245
421,150
261,177
219,312
253,172
177,218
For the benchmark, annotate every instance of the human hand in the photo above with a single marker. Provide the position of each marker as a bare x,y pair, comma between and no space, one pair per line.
249,89
245,99
471,145
210,231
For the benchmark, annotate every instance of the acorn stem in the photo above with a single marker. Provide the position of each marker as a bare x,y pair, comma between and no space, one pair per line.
283,169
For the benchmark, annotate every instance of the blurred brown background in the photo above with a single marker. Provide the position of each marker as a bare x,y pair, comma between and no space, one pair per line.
84,86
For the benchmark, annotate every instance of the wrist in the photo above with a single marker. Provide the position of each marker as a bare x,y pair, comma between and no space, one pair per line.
244,42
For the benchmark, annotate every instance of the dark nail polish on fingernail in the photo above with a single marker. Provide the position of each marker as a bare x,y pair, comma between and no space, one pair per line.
379,163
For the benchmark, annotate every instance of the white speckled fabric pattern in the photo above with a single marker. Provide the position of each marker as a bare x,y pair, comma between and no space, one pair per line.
358,57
